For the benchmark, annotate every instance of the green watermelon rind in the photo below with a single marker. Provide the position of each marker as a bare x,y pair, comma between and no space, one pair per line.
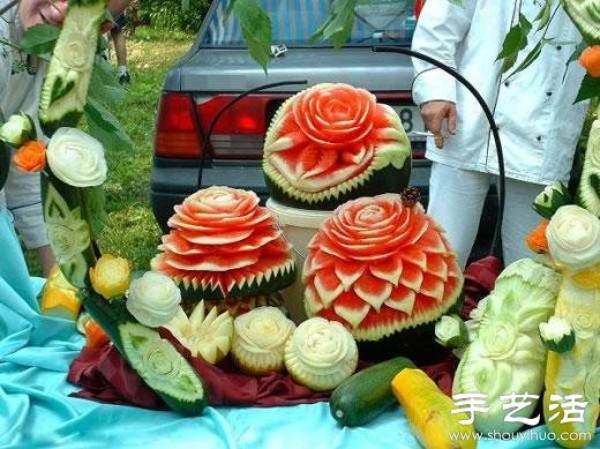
388,179
586,18
115,320
184,392
285,278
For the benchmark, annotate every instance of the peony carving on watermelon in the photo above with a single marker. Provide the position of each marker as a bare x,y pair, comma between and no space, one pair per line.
224,245
331,143
380,265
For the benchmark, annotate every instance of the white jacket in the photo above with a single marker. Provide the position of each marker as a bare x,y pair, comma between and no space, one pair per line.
539,125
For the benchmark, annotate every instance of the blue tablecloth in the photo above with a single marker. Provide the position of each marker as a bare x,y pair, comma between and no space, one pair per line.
36,412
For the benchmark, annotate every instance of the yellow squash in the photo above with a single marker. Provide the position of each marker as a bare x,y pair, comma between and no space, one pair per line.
429,412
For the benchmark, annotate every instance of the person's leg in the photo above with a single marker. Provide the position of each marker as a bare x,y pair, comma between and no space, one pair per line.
519,219
118,38
456,199
24,199
120,44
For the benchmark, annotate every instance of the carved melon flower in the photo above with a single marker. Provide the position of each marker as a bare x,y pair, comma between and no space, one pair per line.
18,129
321,354
76,158
379,266
153,299
259,340
330,139
574,238
206,335
451,331
222,244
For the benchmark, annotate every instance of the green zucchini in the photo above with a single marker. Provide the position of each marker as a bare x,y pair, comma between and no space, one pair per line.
155,359
65,88
367,394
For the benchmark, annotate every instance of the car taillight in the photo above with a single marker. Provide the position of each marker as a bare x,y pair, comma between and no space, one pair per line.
176,128
240,129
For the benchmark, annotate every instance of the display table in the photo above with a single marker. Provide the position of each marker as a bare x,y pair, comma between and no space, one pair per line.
37,412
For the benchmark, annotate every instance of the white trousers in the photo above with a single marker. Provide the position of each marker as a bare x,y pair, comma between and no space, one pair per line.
456,199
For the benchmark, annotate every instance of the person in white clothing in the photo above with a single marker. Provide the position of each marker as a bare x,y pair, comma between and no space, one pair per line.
21,78
538,123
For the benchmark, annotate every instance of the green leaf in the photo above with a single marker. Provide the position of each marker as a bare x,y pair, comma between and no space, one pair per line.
532,56
105,127
338,25
104,86
514,42
544,15
93,202
589,88
256,29
39,39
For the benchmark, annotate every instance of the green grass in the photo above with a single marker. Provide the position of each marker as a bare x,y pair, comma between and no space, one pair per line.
132,231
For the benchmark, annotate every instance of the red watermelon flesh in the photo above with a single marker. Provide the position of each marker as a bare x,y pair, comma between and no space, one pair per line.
379,266
330,139
223,244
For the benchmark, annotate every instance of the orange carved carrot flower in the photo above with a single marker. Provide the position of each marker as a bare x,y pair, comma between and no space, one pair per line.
31,156
536,240
590,60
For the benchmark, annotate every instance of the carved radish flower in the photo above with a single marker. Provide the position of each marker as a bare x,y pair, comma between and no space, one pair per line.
379,266
223,244
327,142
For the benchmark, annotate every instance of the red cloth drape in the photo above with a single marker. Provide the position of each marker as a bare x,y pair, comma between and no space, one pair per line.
105,376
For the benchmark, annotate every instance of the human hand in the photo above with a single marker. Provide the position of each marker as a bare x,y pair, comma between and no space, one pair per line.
36,12
434,113
52,12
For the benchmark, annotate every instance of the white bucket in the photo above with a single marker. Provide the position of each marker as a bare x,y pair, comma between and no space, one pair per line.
298,226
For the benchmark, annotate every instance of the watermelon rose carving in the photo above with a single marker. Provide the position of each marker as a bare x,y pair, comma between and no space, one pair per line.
331,143
380,265
223,244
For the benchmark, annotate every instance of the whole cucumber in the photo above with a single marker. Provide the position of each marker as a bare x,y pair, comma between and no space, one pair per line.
367,394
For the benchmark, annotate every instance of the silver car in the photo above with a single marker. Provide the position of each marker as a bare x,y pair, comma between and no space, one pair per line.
207,135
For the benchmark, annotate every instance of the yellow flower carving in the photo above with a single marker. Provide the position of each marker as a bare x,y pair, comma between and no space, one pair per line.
111,275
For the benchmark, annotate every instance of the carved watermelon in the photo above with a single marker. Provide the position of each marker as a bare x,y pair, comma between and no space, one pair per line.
332,143
223,245
380,265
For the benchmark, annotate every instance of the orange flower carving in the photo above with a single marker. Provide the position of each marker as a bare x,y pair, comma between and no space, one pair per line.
223,244
379,266
590,60
31,156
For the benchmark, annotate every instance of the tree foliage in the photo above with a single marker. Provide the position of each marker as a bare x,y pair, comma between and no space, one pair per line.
180,15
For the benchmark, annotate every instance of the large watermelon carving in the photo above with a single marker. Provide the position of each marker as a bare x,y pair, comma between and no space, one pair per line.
380,265
222,245
332,143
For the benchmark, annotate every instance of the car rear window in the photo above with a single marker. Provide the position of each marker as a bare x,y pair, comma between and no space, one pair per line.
295,21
